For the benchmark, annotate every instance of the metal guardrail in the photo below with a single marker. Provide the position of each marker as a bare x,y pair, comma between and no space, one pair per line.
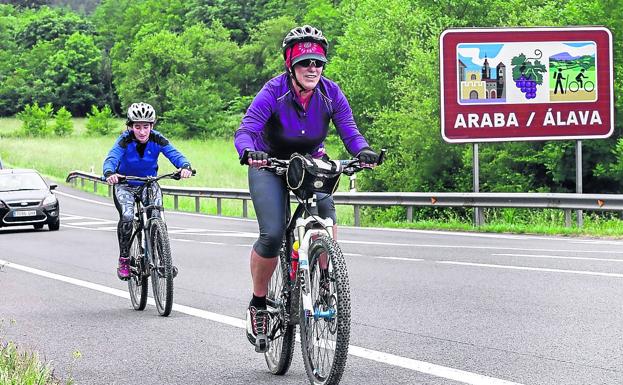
564,201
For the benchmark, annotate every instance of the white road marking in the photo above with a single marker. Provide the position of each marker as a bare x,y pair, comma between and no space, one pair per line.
560,257
582,272
369,354
101,222
474,247
235,234
89,228
401,259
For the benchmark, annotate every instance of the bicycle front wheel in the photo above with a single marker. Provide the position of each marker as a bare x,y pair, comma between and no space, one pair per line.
325,333
138,283
281,333
162,270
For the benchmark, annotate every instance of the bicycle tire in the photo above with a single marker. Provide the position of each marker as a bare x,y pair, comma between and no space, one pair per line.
319,348
162,271
574,86
588,88
281,349
138,282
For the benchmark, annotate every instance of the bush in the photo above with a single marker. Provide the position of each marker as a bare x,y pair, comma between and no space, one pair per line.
35,120
100,122
63,124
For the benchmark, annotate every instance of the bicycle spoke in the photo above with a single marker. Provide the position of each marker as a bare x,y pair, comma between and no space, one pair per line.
325,334
279,355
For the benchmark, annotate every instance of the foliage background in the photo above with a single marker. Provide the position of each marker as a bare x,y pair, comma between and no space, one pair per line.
200,62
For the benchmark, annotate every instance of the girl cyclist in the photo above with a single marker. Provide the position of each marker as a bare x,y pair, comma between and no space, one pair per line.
135,153
291,113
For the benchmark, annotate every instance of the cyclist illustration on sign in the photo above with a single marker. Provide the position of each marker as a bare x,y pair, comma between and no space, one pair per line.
290,114
580,85
579,77
135,153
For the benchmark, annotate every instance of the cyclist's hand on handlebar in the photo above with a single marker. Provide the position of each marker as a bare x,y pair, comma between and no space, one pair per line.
185,172
113,179
257,158
368,158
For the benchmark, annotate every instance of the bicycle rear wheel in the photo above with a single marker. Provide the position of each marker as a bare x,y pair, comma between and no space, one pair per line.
138,283
281,334
326,333
162,271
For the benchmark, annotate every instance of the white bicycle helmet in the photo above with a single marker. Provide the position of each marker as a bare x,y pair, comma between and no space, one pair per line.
141,112
302,34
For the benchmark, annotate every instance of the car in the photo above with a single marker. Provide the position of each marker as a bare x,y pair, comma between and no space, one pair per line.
26,199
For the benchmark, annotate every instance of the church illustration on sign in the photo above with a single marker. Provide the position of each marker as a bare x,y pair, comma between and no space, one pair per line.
481,86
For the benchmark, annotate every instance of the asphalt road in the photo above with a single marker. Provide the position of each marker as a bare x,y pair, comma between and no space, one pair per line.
427,307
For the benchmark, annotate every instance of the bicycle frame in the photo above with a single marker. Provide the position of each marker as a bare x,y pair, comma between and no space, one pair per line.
305,239
140,217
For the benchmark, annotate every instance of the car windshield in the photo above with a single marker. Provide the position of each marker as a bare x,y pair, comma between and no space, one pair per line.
16,182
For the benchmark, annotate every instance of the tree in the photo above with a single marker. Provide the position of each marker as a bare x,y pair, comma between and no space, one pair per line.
48,24
26,3
75,71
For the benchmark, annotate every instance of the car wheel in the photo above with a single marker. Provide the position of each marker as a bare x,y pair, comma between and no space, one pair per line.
38,226
55,225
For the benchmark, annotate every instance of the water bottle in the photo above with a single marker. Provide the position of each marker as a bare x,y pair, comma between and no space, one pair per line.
294,260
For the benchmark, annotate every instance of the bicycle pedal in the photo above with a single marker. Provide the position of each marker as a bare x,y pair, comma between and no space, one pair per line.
261,343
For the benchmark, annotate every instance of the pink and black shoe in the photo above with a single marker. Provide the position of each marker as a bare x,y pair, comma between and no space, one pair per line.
123,271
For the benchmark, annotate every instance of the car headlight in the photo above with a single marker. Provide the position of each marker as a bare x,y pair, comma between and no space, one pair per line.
50,200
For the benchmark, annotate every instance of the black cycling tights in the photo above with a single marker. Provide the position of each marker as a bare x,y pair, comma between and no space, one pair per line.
124,202
268,192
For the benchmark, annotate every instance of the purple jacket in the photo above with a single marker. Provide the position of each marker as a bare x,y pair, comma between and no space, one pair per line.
277,123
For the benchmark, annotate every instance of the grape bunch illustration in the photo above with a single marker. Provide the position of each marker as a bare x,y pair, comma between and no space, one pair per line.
528,73
527,86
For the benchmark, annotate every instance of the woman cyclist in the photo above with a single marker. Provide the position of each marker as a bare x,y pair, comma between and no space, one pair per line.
291,113
135,153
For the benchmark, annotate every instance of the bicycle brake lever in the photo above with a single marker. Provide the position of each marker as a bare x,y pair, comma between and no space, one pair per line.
381,156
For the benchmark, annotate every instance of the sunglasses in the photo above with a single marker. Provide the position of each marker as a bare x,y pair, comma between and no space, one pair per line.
307,62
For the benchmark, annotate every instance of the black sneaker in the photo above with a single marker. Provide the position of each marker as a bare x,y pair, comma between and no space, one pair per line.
257,328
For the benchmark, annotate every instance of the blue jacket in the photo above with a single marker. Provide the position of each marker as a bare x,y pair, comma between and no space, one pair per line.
277,123
124,157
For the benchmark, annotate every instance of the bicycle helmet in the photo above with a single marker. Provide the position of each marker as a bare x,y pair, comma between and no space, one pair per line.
141,112
302,43
302,34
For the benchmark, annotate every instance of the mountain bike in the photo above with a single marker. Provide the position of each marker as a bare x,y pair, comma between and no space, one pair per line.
314,293
150,251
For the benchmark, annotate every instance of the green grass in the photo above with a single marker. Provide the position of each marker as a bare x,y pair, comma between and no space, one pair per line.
23,367
218,167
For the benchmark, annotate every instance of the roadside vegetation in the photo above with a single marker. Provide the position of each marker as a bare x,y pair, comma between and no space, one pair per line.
23,367
218,167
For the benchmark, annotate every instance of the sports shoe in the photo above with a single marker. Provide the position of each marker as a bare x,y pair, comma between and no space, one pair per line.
257,327
123,271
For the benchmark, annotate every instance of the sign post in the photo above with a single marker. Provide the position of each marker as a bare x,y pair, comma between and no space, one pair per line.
527,84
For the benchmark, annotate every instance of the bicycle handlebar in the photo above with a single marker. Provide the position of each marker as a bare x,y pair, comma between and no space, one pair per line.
173,175
349,166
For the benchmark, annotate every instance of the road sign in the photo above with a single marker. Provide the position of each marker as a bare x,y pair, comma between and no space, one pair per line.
526,84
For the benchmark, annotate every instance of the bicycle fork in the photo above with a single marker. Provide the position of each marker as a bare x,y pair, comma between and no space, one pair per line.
304,276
